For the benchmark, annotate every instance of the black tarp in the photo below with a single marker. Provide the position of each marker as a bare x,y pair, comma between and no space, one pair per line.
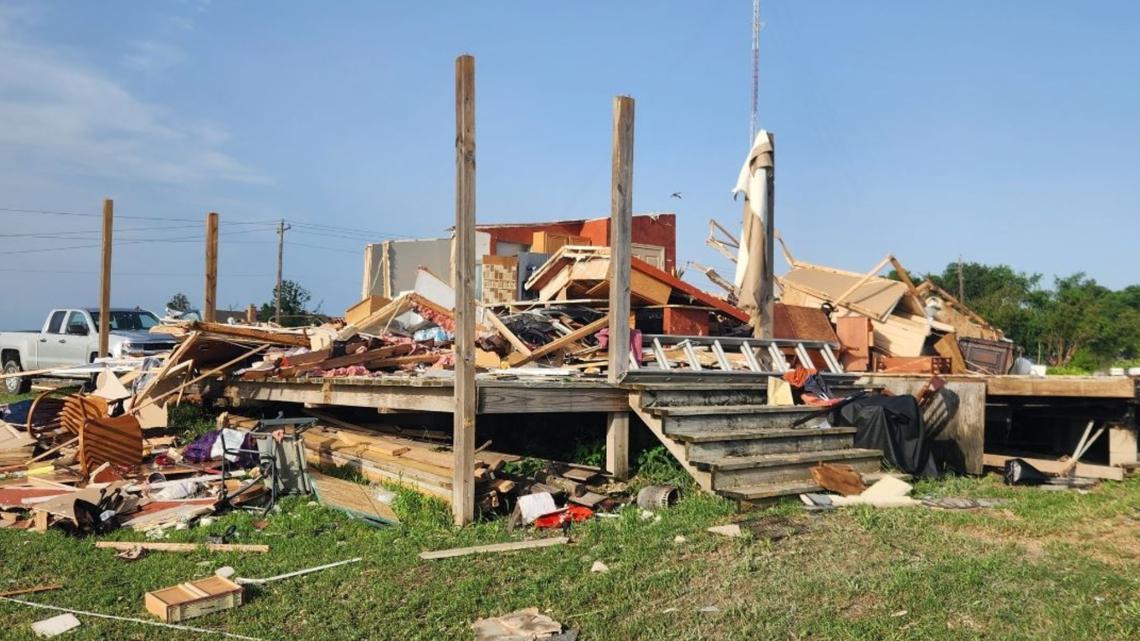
893,425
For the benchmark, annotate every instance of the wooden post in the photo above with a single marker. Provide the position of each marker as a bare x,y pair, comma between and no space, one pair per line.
767,301
621,222
251,314
463,277
617,444
105,284
209,300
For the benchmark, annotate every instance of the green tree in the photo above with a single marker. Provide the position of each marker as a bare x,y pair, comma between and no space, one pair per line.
294,302
178,303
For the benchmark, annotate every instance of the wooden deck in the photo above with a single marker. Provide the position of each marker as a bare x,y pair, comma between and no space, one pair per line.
430,394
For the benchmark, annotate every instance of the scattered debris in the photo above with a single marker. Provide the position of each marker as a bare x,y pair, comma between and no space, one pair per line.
520,625
731,530
838,478
598,566
111,617
56,625
656,497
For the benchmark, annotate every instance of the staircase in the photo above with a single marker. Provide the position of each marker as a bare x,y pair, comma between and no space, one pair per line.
733,444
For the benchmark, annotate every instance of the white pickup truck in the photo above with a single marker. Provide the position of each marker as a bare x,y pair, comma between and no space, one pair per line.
70,338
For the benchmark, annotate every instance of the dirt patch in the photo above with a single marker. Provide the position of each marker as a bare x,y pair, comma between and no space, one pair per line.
864,604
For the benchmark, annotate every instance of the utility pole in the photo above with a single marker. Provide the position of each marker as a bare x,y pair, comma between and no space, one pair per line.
210,297
281,229
961,282
105,279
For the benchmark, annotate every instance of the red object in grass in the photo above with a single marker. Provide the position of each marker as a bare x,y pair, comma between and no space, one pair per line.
573,513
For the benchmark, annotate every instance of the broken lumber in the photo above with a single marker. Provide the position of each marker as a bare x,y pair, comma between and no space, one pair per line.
181,547
494,547
517,360
1086,470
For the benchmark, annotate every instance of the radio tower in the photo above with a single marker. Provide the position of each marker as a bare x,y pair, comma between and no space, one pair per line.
755,69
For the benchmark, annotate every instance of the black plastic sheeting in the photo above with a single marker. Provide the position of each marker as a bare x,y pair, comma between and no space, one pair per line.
893,425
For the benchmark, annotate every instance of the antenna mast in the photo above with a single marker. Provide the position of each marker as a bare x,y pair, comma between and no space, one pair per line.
755,69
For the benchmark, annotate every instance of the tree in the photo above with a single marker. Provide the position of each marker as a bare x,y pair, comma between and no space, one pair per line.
294,300
178,303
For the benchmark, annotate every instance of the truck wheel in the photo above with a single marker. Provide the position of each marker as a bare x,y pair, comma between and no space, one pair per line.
15,385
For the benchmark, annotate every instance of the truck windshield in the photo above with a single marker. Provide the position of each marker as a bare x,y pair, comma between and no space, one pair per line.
128,320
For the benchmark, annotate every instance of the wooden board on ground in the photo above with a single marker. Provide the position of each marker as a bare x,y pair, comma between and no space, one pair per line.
355,499
1048,466
494,547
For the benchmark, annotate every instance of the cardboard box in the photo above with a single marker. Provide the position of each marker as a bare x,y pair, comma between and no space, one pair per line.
194,599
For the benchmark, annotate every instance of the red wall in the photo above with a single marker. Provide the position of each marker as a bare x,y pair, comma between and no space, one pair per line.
656,229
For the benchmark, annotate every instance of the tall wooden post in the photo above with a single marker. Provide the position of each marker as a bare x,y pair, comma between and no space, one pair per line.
621,223
210,299
767,302
463,277
105,284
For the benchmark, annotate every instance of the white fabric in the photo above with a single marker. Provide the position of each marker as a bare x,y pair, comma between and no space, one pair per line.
227,440
753,183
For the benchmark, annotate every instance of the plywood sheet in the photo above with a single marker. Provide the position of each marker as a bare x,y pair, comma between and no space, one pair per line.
876,298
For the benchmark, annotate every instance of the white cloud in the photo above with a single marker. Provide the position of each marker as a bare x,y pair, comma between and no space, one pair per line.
58,110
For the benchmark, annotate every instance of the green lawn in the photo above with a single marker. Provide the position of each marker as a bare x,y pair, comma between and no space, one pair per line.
1048,565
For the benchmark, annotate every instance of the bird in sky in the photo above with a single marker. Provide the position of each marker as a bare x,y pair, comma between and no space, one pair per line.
676,195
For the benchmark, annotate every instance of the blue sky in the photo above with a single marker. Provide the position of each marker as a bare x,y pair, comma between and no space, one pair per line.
1001,132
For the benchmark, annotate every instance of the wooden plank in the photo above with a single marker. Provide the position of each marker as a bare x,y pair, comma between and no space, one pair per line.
153,546
328,392
617,444
1122,448
463,280
621,223
353,498
520,399
209,300
495,547
252,333
555,345
1048,466
1072,386
105,279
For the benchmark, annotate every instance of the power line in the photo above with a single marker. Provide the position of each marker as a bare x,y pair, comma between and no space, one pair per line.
131,241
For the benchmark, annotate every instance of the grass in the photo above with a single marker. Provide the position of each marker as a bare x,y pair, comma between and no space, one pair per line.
1047,565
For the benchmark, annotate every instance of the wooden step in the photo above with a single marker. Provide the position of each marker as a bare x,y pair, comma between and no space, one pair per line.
717,394
792,488
716,410
738,471
744,434
696,419
718,444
